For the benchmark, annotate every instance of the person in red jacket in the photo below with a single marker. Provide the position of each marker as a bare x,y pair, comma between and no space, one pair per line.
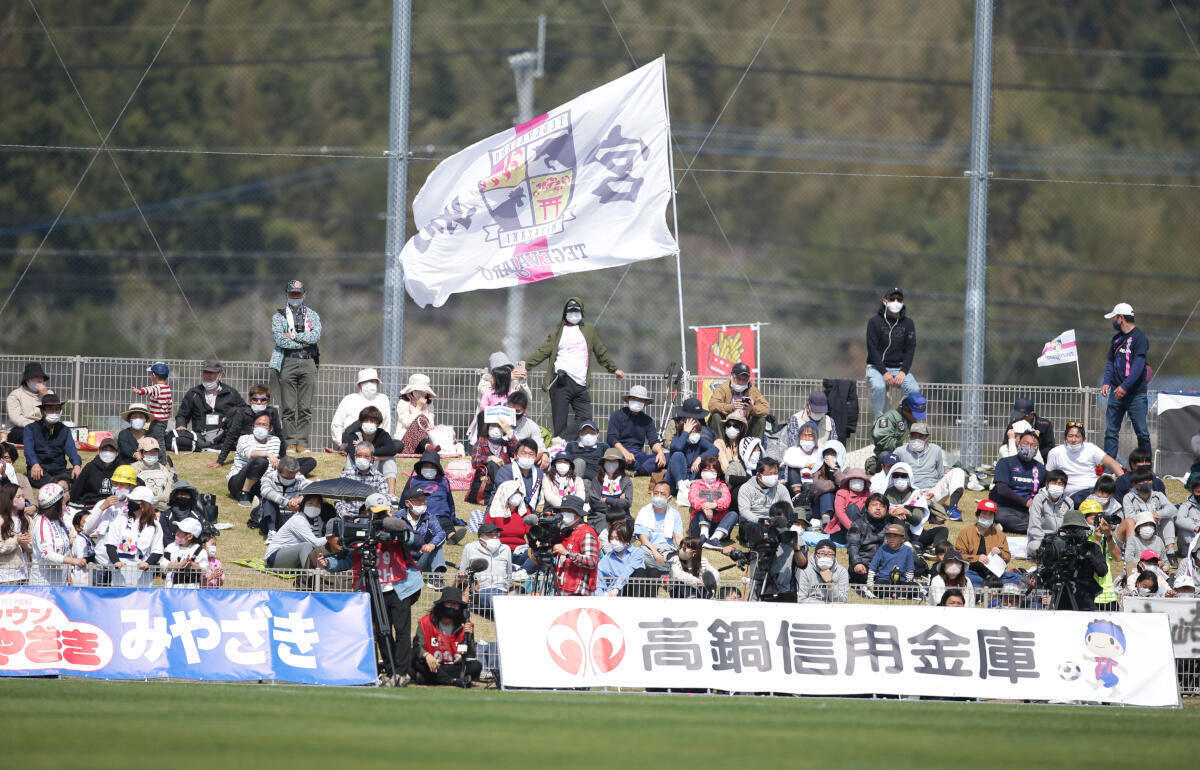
445,641
578,555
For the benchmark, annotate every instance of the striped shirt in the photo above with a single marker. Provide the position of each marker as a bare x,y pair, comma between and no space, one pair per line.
159,400
248,444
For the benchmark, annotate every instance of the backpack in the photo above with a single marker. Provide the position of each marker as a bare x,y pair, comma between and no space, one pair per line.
182,440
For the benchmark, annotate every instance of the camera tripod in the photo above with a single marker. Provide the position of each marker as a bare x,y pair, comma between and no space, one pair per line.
369,575
543,577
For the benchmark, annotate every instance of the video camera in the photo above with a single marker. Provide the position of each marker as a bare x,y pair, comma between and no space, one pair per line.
544,532
1062,559
363,533
771,534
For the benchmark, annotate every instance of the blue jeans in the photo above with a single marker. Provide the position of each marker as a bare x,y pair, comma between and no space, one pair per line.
643,464
726,522
1136,406
432,561
678,469
879,390
483,600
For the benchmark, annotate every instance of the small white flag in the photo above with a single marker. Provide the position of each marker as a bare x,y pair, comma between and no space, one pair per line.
1060,350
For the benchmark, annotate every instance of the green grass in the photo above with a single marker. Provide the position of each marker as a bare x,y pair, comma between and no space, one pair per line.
76,723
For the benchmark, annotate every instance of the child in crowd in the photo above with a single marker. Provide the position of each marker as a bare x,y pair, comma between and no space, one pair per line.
82,547
158,398
894,563
186,556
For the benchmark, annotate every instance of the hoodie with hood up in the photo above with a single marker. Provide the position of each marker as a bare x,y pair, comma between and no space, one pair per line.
549,349
845,498
437,490
891,342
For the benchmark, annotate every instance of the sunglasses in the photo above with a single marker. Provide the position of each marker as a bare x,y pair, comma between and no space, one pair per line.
259,400
1074,425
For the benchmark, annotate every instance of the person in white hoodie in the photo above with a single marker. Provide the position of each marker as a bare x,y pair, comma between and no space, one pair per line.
366,393
1143,497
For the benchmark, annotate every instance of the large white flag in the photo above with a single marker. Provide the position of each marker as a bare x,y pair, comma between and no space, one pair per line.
1060,350
583,187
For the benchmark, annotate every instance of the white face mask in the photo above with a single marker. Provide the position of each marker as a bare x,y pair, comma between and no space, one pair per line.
1146,531
611,468
709,476
495,434
211,385
900,483
417,511
1074,448
1143,591
137,423
917,445
53,417
1055,491
738,388
953,569
362,463
635,406
588,439
212,551
429,474
258,408
121,492
368,389
693,438
733,432
574,318
491,544
569,518
150,460
107,457
562,468
857,485
685,555
825,562
312,511
770,481
261,433
525,463
986,523
807,444
658,501
369,428
618,546
895,307
516,499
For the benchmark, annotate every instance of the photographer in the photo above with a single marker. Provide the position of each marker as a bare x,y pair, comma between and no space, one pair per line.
445,641
778,552
577,556
1070,564
1101,524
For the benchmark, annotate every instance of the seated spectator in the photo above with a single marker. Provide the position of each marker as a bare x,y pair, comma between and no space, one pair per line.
865,537
495,449
688,447
881,478
825,483
802,462
366,428
1138,458
611,494
445,644
183,504
255,454
740,396
428,535
366,393
1046,511
429,476
25,401
953,597
585,452
8,472
561,481
1103,492
622,570
658,529
738,455
153,473
289,546
496,578
1079,458
93,484
1142,497
526,428
816,411
363,471
50,544
134,542
950,574
279,494
940,485
206,407
893,563
16,540
524,468
894,427
414,417
692,577
848,504
757,496
241,423
708,501
891,345
1187,516
1024,418
49,445
823,580
507,513
138,417
82,547
1018,478
1145,537
631,431
1130,583
981,542
915,516
186,557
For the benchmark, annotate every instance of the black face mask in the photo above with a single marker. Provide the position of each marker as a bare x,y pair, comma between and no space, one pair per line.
1146,487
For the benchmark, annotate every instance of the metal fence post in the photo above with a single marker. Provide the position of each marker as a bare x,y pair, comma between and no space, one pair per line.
77,390
397,190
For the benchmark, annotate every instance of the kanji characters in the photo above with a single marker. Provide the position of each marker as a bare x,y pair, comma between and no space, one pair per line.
1006,653
670,644
874,642
807,648
933,647
742,643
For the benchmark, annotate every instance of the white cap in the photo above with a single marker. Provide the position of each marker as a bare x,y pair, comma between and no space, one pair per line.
141,494
1121,308
366,375
376,502
191,526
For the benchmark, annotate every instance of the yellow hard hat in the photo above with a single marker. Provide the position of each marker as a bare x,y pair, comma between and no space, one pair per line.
1088,507
125,474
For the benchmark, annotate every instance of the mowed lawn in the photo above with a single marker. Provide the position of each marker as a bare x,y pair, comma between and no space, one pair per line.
75,723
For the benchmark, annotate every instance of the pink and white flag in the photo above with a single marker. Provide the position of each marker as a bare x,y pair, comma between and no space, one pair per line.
1060,350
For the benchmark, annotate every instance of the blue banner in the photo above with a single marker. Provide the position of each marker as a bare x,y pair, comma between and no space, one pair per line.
154,633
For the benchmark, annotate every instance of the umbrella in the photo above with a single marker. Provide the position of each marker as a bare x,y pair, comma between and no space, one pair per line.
347,489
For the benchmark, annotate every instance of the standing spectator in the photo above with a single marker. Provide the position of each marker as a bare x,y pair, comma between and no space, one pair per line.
25,401
1078,458
741,397
816,411
366,394
578,555
891,345
50,545
16,539
206,407
158,395
414,417
134,542
8,472
498,383
1018,478
138,417
1024,411
823,580
153,473
255,454
48,446
296,330
186,557
1125,380
631,430
569,351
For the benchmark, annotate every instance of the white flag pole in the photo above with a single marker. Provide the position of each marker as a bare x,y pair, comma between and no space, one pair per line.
683,362
1078,377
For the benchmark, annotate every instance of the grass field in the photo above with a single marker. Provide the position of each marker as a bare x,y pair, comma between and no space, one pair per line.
73,723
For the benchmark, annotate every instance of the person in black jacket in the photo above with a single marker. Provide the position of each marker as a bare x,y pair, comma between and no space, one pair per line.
240,422
93,484
205,408
891,345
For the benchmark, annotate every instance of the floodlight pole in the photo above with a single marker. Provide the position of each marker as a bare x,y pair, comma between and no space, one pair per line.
397,193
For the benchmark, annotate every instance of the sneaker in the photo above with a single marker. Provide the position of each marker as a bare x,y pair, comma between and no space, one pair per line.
953,514
519,576
384,680
682,489
457,535
974,485
713,543
301,449
244,500
401,680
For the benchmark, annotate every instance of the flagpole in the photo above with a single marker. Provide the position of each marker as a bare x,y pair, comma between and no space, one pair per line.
683,362
1078,376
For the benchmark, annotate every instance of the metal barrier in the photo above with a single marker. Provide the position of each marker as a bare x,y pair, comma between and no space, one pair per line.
98,390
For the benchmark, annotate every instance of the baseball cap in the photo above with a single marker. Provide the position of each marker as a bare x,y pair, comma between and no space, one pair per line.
818,402
191,526
894,529
1021,407
488,528
888,459
739,369
212,365
410,492
1121,308
895,290
573,304
377,502
986,506
141,494
916,404
920,427
294,285
159,369
1148,554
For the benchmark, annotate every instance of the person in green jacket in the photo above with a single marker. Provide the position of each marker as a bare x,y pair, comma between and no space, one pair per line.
569,350
892,429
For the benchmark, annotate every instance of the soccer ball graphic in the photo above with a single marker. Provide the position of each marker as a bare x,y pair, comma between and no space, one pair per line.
1068,671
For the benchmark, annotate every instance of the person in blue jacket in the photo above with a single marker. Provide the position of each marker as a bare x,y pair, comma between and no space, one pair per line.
690,445
1125,380
48,446
429,476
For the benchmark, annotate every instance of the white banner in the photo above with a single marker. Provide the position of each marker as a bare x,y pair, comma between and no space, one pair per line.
835,649
1184,616
583,187
1060,350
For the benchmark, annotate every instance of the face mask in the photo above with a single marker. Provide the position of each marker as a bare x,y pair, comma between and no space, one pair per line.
831,462
658,501
738,388
525,463
181,538
807,445
295,302
53,417
611,468
520,417
1074,448
1143,591
709,476
1146,532
1146,487
261,433
588,440
107,457
754,458
574,318
1055,491
1116,325
917,446
417,511
362,463
769,481
429,474
562,468
986,523
953,569
212,551
900,483
495,434
825,562
312,511
516,499
369,428
857,485
121,492
618,546
491,544
368,389
635,406
732,432
1027,453
211,384
685,555
569,518
258,408
150,460
693,438
895,307
137,423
